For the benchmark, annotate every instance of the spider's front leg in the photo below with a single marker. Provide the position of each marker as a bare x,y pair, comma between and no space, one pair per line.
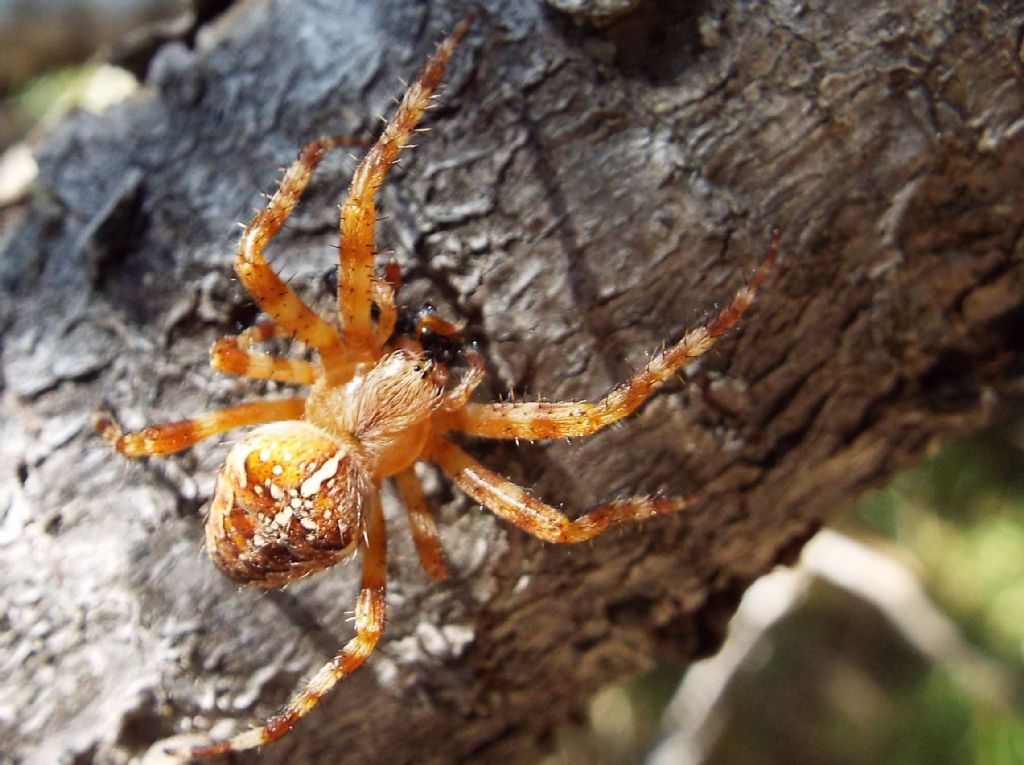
275,297
533,421
369,623
359,214
517,506
234,354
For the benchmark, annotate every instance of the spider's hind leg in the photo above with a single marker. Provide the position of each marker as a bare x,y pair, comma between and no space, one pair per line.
369,622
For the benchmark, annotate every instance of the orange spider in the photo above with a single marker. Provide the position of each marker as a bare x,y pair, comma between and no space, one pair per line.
302,493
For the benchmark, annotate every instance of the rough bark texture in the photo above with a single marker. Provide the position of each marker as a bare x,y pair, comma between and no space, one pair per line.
584,195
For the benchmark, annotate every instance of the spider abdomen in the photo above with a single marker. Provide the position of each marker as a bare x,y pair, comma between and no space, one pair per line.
289,501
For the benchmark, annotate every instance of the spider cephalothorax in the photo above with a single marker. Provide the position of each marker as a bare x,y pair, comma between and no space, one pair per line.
302,491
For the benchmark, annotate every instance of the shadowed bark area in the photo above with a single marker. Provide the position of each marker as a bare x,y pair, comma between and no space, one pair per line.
584,195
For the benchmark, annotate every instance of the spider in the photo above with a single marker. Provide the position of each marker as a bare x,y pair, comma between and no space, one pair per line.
301,492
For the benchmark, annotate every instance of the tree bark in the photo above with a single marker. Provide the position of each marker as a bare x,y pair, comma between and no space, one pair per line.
584,195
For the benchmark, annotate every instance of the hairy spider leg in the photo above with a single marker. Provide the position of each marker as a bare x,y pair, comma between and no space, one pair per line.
358,212
233,355
228,356
517,506
369,622
534,421
260,332
275,297
173,436
422,525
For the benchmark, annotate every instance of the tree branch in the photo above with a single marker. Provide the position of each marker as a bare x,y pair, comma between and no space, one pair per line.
584,195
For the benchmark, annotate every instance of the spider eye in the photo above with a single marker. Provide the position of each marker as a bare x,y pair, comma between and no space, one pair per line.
288,502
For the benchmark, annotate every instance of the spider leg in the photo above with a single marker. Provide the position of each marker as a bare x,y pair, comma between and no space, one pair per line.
458,396
172,436
538,420
421,521
268,289
233,355
513,503
358,213
369,622
260,332
227,356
